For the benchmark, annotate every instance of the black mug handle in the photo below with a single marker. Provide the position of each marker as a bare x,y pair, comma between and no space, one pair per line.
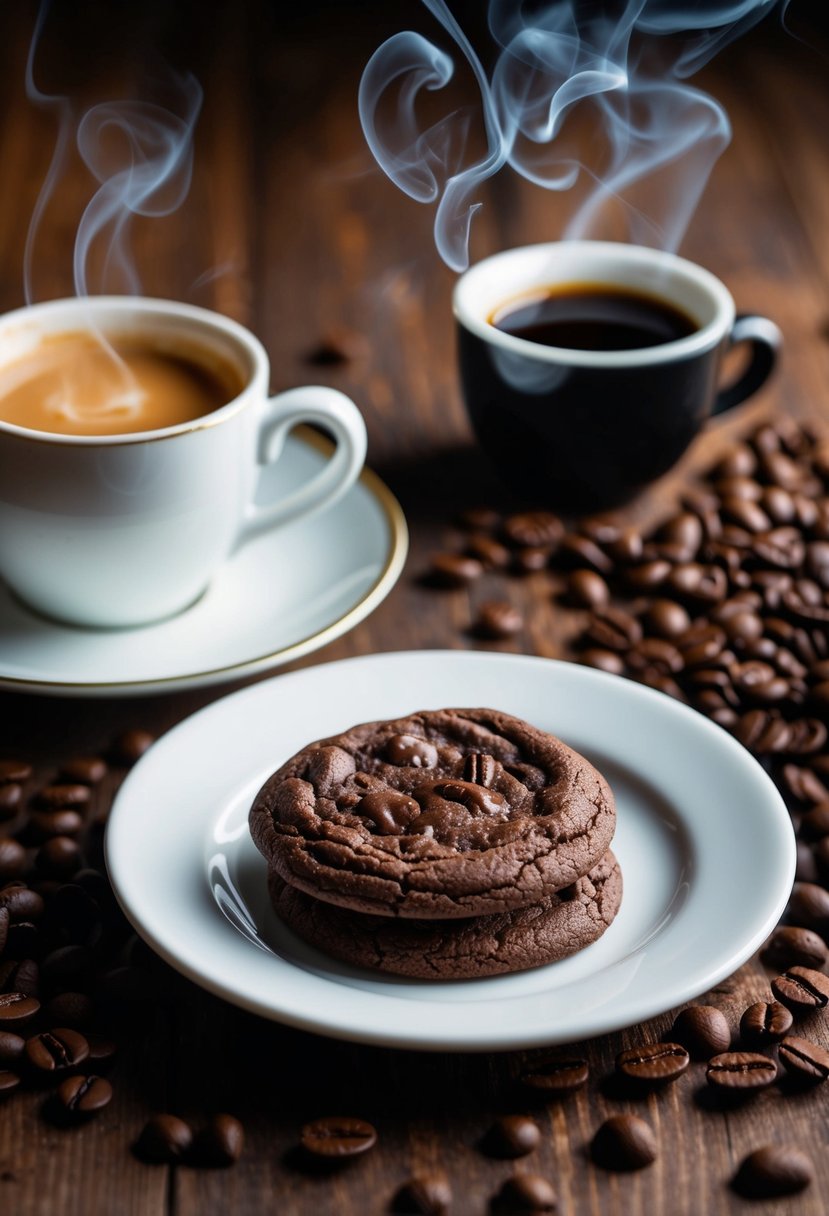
766,340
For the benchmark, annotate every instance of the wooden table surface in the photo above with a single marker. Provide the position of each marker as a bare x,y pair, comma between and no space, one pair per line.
305,237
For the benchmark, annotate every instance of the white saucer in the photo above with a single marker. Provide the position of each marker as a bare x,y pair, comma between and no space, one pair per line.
281,596
704,841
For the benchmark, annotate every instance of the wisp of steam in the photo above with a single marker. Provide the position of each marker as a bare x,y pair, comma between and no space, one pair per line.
141,156
631,68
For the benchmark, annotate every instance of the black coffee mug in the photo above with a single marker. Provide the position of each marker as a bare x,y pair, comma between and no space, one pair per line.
584,430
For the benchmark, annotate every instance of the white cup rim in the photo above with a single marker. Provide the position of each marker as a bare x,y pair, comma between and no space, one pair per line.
475,287
255,389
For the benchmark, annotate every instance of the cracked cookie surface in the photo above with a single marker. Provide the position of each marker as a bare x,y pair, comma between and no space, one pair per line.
442,814
556,927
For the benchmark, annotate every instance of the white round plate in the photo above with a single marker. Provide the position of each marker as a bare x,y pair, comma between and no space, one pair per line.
281,596
703,838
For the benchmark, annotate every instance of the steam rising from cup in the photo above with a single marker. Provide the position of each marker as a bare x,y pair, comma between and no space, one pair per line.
629,69
141,155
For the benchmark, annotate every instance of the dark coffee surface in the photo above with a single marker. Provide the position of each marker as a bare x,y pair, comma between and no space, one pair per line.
594,316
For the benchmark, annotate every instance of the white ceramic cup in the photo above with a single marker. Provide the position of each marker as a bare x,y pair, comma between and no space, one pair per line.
122,530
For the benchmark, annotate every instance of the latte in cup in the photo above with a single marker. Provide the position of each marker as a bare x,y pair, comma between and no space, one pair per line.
82,384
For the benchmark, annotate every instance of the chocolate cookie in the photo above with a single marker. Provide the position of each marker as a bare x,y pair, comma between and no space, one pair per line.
446,813
560,925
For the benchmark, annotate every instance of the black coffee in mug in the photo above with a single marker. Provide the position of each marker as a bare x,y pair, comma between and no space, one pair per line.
588,367
593,316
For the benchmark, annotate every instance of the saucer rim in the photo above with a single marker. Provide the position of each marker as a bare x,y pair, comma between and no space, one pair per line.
392,568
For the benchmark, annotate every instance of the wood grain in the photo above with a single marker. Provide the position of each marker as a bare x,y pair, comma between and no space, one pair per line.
309,237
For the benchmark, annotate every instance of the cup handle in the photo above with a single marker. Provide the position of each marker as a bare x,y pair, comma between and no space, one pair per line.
766,340
334,412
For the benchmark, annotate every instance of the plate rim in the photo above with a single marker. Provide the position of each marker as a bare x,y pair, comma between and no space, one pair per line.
389,574
434,1041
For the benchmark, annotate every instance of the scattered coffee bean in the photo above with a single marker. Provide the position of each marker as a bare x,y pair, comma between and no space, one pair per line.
14,770
587,589
9,1082
73,1009
22,976
512,1136
54,797
83,1096
556,1077
453,570
11,1047
479,519
806,1062
12,860
426,1194
497,620
56,1050
703,1030
5,920
85,770
526,1193
802,989
653,1064
772,1171
666,619
789,946
59,857
533,529
808,907
815,823
613,629
804,784
11,798
604,660
220,1143
22,903
164,1139
624,1142
530,561
43,825
338,1137
101,1051
131,745
743,1071
579,551
16,1009
488,551
763,1024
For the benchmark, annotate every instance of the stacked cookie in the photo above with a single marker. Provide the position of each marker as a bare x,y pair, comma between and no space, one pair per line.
450,844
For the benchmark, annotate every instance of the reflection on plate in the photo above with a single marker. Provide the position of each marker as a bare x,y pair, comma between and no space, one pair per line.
281,596
703,838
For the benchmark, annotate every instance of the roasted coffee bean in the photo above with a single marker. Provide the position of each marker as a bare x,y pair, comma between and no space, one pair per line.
480,768
59,857
12,859
11,797
627,548
790,946
743,627
101,1051
531,529
604,660
804,784
746,512
164,1139
16,1009
763,732
647,575
85,770
613,629
699,584
603,529
781,548
666,619
624,1142
778,504
131,745
512,1136
425,1194
808,907
556,1077
83,1096
772,1171
22,902
740,461
67,966
73,1009
530,561
683,530
808,735
488,551
781,470
806,1062
587,589
736,490
820,853
763,1024
806,869
20,976
9,1081
5,920
56,1050
745,1071
45,824
479,519
14,770
657,654
11,1048
453,570
653,1064
220,1143
703,1030
525,1193
498,620
54,797
815,823
802,989
579,551
337,1137
701,644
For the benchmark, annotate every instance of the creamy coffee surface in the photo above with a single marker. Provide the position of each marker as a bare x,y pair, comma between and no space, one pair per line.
79,384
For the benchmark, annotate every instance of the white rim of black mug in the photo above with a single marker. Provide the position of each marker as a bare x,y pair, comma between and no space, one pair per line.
253,352
703,339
